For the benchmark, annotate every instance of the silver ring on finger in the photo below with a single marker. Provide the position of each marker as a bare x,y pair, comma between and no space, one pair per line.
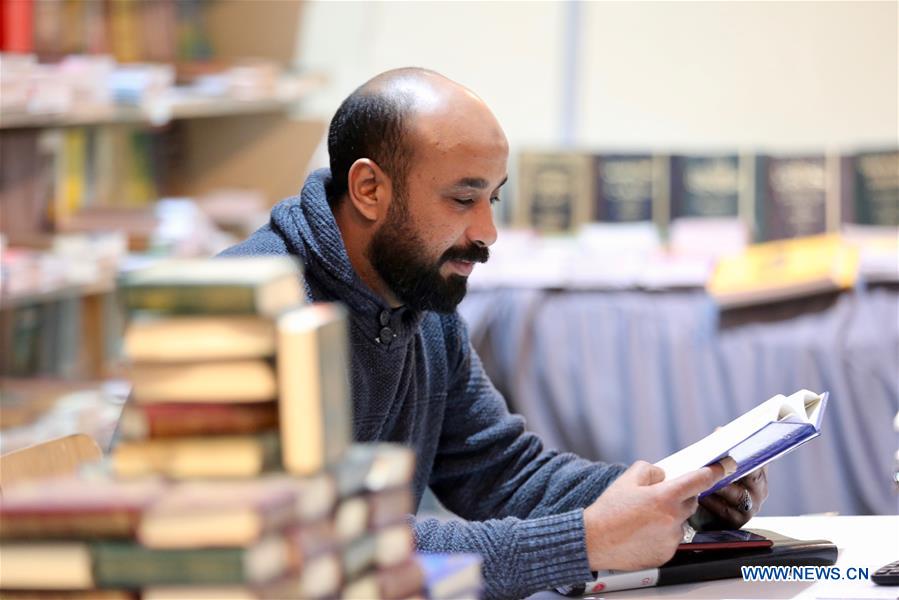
745,504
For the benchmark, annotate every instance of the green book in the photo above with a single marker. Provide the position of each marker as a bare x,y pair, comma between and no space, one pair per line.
129,565
264,285
877,188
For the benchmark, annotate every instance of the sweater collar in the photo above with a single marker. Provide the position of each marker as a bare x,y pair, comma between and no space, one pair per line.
310,231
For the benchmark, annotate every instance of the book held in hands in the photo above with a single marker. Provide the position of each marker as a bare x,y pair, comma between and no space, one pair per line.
773,428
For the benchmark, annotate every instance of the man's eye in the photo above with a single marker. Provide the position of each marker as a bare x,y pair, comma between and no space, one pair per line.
494,200
464,201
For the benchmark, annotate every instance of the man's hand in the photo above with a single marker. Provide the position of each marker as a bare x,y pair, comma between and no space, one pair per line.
732,506
637,522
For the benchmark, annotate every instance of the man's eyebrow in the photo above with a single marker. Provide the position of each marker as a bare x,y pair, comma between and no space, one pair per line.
477,183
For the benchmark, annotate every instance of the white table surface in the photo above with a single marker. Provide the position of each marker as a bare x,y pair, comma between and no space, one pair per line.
863,541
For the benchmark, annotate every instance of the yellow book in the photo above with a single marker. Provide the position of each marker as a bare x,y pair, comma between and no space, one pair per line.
71,172
785,269
315,407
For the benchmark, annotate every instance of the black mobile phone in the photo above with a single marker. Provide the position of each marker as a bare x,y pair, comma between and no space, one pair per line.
725,539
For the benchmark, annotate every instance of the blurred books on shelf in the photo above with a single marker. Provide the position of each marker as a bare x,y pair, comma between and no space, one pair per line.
776,196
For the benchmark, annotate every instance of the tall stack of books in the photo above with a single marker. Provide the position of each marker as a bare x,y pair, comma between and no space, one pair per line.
234,476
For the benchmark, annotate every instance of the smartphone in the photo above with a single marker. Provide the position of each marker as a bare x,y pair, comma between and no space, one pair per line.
725,539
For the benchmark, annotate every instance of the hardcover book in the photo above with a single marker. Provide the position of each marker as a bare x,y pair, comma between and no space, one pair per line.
68,508
184,458
313,387
798,196
632,188
186,339
146,421
248,285
775,427
197,514
251,380
451,575
713,186
555,191
687,567
127,565
877,188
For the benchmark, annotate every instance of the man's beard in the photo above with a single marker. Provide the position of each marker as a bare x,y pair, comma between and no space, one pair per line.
395,252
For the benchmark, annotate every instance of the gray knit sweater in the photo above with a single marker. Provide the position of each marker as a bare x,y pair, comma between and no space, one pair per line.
426,388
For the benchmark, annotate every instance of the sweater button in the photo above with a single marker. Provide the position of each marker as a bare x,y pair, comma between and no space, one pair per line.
386,335
384,318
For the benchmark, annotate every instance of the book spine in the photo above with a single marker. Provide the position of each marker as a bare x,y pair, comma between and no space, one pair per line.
190,299
177,420
18,26
108,524
131,566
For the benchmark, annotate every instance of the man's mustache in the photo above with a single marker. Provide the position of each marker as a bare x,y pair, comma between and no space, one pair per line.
472,253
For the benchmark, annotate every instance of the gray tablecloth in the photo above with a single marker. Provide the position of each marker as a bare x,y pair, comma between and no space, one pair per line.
628,375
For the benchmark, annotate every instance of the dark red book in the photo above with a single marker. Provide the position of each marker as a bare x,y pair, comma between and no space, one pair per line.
144,421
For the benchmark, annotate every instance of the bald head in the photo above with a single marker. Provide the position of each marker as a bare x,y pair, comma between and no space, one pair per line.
388,118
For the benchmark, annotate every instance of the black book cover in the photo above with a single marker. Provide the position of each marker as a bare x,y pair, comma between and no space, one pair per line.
688,567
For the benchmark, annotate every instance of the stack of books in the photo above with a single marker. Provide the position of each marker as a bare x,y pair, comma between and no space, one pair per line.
235,476
202,340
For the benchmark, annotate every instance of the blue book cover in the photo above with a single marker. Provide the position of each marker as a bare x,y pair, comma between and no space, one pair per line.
775,427
451,575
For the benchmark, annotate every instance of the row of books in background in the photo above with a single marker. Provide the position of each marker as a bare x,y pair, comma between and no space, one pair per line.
96,88
110,179
663,222
131,30
234,476
776,196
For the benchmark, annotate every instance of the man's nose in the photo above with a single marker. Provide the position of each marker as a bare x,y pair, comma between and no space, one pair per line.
482,230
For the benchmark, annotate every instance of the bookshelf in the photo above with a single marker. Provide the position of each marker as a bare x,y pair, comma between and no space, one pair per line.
194,144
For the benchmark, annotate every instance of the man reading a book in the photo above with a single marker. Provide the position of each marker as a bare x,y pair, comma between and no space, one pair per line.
392,230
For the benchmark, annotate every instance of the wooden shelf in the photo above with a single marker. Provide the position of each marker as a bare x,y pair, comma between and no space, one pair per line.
180,106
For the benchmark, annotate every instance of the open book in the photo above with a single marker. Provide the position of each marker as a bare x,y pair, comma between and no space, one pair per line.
755,438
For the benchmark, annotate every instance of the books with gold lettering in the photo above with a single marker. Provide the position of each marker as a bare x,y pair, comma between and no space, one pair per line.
714,186
555,190
876,188
799,195
632,187
784,269
313,387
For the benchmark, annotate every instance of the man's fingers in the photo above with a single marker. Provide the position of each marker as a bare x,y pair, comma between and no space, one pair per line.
732,493
693,483
644,473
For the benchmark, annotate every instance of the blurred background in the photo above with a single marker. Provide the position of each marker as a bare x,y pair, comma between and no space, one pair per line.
702,209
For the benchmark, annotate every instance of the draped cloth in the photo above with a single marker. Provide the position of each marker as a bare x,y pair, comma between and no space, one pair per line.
620,376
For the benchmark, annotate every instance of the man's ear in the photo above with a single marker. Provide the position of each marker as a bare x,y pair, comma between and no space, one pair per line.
369,189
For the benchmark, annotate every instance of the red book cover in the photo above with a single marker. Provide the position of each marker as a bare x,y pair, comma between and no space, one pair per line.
18,26
177,420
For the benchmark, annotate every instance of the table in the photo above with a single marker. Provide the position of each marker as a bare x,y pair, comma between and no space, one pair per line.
863,541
